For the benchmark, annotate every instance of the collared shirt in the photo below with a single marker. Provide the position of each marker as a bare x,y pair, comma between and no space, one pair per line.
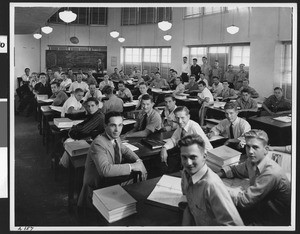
252,91
268,182
191,128
209,203
239,126
159,84
276,105
82,85
59,98
250,104
240,76
185,68
226,93
113,104
71,102
229,76
91,80
206,69
103,83
65,83
126,93
217,89
206,93
25,77
115,76
192,87
169,119
217,71
196,70
153,121
97,95
179,89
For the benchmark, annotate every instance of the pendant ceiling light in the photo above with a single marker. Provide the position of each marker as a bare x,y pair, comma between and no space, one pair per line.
121,39
67,16
233,29
47,29
114,33
37,36
167,37
164,25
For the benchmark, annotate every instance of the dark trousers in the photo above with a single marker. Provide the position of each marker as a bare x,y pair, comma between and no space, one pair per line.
185,77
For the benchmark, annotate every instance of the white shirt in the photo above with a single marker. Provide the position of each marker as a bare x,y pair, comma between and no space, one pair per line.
71,101
82,85
217,89
25,77
97,95
185,68
191,128
65,83
206,93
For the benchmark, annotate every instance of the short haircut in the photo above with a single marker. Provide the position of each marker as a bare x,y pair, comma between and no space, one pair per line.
169,95
192,139
242,64
107,89
171,69
204,57
182,108
202,82
42,74
174,71
278,88
195,59
216,77
230,105
258,134
27,68
70,69
217,60
146,96
229,65
121,82
143,83
112,114
78,90
92,99
62,73
157,73
192,76
245,90
184,57
180,78
225,81
55,83
92,83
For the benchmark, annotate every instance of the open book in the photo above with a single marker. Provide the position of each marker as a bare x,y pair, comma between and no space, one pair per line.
167,191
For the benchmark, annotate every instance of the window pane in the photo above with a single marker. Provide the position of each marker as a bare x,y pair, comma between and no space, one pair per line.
129,16
240,54
219,49
212,10
146,55
166,55
193,11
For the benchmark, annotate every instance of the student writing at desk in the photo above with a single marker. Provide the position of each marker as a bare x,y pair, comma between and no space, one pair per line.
209,203
168,116
148,120
109,161
267,201
72,105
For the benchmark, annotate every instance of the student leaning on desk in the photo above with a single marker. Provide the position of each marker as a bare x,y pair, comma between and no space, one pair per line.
267,201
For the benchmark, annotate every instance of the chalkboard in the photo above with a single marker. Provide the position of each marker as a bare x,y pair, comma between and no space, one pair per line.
74,59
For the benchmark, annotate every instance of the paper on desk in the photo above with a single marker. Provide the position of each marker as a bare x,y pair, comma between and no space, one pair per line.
180,97
219,104
75,122
130,146
156,90
133,103
216,137
128,121
47,100
285,119
193,99
56,108
167,91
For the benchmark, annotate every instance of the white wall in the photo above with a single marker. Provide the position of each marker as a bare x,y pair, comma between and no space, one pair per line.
263,28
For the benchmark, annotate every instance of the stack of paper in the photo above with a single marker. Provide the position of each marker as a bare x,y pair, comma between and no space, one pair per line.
222,156
47,100
63,122
219,104
130,146
75,148
114,203
56,108
285,119
40,97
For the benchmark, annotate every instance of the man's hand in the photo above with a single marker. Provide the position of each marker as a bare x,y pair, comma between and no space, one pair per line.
210,135
164,155
139,166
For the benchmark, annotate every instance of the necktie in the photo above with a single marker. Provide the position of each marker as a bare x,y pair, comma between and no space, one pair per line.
117,153
231,136
143,123
183,133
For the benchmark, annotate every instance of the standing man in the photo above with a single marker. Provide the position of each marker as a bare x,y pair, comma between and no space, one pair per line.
229,75
108,161
195,69
206,69
209,203
185,70
240,76
23,84
267,201
217,70
169,122
26,75
58,95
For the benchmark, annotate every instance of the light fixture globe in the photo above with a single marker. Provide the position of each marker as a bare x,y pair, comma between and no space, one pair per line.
121,39
167,37
67,16
233,29
47,29
164,25
114,34
37,36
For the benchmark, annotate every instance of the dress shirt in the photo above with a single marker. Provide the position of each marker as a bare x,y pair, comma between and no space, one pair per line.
126,93
179,89
65,83
185,68
209,203
71,102
25,77
217,71
226,93
206,93
91,80
153,121
82,85
268,182
59,98
113,104
206,69
97,95
217,89
229,76
168,118
103,83
191,128
239,126
276,105
159,84
250,104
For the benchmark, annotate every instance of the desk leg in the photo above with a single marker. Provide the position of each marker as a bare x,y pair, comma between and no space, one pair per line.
71,186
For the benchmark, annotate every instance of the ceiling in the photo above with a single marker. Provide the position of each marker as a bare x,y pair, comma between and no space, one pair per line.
29,19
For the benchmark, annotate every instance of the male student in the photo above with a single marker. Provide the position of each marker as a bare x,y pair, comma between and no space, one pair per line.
78,84
192,86
246,102
159,83
93,92
180,88
72,105
227,93
168,116
185,70
148,120
267,201
216,87
43,86
123,92
108,161
232,127
205,98
253,92
59,97
91,127
113,103
209,203
195,69
186,126
105,82
65,83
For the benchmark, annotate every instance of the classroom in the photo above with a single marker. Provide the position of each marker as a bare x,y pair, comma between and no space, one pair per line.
185,109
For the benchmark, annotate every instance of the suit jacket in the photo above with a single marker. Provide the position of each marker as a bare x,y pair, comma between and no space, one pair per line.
100,168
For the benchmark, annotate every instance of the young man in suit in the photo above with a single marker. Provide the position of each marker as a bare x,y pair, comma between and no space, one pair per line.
108,161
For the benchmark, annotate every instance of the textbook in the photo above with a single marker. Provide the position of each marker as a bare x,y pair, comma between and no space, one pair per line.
63,122
56,108
153,144
40,97
167,192
75,148
223,155
285,119
114,203
216,167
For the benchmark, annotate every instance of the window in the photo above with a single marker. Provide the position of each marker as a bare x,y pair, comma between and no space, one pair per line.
166,55
191,12
129,16
133,55
286,69
147,15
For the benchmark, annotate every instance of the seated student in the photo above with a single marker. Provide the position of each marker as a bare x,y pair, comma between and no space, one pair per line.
105,82
123,92
276,104
203,78
145,75
216,87
108,161
138,77
123,76
148,120
78,84
65,83
209,203
84,76
90,78
115,76
227,93
143,88
246,102
232,127
159,82
192,86
58,95
25,80
168,116
180,88
72,105
42,87
205,98
267,201
172,79
186,126
93,92
113,103
252,91
91,127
